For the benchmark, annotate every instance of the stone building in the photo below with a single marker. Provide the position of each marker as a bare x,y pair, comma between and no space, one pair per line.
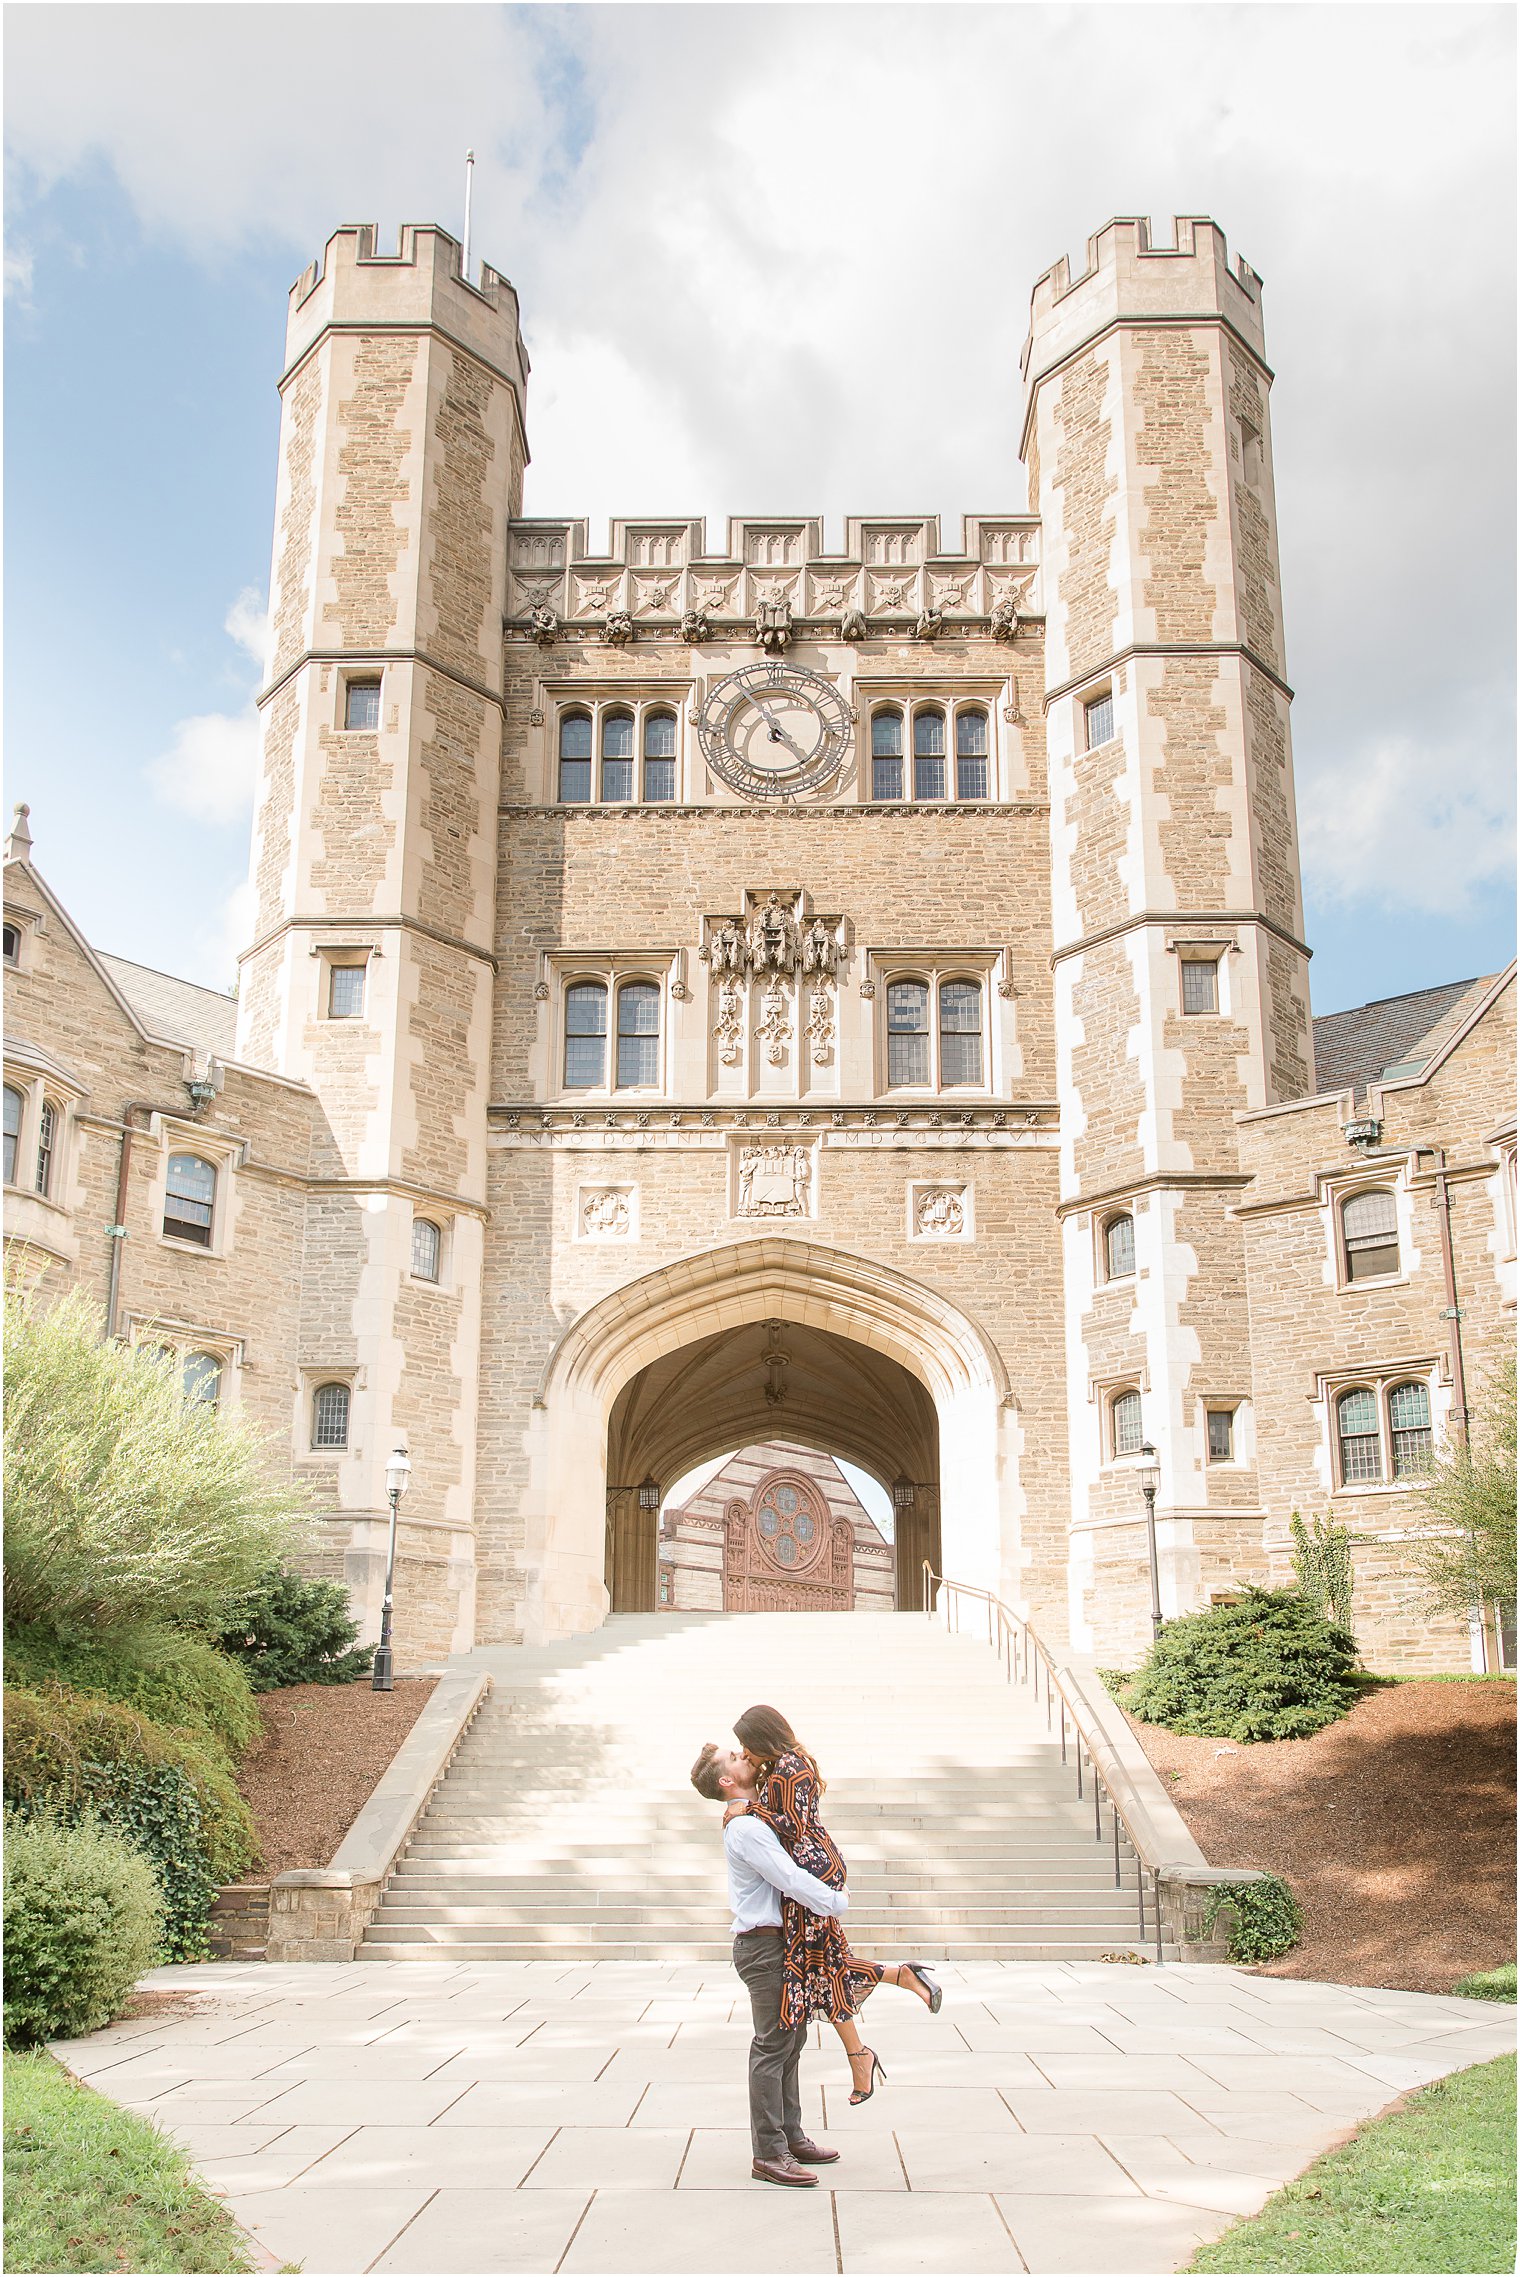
712,947
779,1529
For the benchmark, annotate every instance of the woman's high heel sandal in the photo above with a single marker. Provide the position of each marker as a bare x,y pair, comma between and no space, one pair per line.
935,1992
864,2094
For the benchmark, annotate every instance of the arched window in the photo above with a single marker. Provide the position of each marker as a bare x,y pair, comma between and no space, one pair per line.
427,1249
929,753
886,755
190,1199
329,1415
1356,1424
971,754
660,756
1125,1415
907,1032
1370,1231
47,1141
960,1032
638,1049
201,1375
1119,1248
1409,1422
13,1107
575,758
585,1035
617,757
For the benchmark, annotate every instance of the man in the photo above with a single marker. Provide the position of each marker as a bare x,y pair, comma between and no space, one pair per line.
760,1874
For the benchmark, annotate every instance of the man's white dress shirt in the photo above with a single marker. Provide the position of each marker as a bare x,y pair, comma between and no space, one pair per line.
760,1874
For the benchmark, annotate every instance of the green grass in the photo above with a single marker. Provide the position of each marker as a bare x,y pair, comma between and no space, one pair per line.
1431,2187
1488,1984
89,2186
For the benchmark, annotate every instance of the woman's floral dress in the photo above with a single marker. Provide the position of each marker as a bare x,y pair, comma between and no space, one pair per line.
820,1975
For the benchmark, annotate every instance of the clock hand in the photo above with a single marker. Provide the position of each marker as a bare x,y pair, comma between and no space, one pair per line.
777,732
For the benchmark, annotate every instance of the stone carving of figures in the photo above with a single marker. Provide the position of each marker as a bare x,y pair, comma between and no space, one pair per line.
820,1027
729,950
618,629
852,625
728,1032
775,1029
1004,621
696,627
820,950
773,943
942,1211
544,624
774,1181
773,626
929,625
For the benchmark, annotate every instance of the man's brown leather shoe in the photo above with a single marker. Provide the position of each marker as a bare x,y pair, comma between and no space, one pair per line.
784,2170
808,2153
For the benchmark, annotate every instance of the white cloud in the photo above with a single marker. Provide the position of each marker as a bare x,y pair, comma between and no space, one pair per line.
19,267
210,769
248,623
1398,824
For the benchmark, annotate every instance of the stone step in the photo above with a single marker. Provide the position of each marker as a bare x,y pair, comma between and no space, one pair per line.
450,1885
862,1928
1050,1946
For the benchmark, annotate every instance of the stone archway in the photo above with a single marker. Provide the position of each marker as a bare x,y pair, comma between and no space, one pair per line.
682,1316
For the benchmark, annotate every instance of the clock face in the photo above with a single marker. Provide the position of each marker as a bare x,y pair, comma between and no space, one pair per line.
773,731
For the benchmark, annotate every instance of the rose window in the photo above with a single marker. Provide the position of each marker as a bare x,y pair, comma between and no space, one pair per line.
789,1529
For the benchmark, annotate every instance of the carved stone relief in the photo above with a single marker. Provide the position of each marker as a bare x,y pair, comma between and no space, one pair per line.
618,629
606,1213
775,1181
939,1211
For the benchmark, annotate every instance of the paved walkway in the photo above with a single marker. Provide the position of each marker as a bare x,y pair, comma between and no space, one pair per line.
541,2116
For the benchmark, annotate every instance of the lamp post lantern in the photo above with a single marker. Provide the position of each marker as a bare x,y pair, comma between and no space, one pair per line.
397,1471
1149,1472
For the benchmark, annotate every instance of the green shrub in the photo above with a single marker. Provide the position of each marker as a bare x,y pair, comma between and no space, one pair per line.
125,1503
1266,1667
1268,1921
294,1631
82,1921
171,1677
164,1791
1488,1984
1324,1566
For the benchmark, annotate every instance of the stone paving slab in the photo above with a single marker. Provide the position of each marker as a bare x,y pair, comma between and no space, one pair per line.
537,2117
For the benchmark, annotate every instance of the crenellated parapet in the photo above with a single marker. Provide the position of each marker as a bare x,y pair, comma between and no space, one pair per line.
894,576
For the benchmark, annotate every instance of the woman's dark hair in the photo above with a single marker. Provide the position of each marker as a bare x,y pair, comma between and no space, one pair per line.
765,1733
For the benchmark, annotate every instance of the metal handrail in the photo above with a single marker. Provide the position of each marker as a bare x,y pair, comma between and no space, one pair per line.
1022,1654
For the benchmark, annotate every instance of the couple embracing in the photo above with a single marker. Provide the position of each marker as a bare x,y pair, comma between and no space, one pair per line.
786,1885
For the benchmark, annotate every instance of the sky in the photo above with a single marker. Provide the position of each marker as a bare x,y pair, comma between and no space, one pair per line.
771,258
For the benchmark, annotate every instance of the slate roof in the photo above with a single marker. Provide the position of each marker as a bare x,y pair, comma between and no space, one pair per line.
177,1009
1395,1035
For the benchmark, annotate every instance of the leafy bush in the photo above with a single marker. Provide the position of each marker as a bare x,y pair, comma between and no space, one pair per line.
1488,1984
170,1677
167,1793
1324,1566
1266,1667
1268,1921
294,1631
125,1503
1467,1561
82,1921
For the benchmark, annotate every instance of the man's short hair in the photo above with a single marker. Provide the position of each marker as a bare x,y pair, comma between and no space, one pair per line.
704,1774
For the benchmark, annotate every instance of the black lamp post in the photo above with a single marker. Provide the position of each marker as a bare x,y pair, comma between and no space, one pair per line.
1149,1472
397,1471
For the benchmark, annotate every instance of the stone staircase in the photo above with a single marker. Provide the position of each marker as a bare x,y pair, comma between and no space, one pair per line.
567,1827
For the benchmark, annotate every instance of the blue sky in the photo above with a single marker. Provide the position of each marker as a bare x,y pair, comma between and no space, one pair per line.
769,258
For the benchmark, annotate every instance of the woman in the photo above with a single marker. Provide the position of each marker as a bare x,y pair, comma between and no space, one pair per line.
821,1976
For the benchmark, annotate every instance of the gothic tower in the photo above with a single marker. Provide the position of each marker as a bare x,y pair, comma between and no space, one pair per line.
1179,965
402,445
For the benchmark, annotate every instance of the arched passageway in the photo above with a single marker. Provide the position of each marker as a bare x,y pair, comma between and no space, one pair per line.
764,1379
671,1369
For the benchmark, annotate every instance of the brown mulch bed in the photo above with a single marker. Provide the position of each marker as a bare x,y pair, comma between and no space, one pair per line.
1395,1828
323,1750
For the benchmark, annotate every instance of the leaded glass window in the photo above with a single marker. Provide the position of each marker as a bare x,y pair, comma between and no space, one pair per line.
971,755
617,757
1200,984
1370,1228
13,1110
1356,1421
427,1249
1119,1248
960,1032
201,1375
1409,1422
1099,718
329,1416
886,755
1126,1423
638,1051
190,1199
929,753
47,1140
907,1032
361,705
345,992
660,756
585,1035
575,758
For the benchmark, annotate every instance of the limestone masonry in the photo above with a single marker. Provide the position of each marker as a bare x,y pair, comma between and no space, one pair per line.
711,995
